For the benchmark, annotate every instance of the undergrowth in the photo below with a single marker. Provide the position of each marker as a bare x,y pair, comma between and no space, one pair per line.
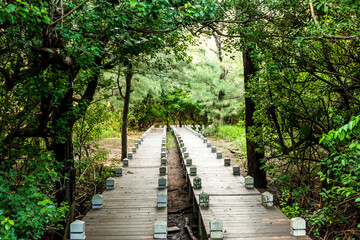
235,134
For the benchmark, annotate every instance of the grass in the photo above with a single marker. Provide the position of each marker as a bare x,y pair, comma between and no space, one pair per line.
234,134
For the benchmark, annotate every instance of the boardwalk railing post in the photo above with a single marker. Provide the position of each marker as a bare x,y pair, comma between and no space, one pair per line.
298,226
110,183
118,172
162,171
236,170
226,161
213,149
162,183
161,200
267,199
249,182
77,230
160,230
97,201
163,161
204,199
216,229
125,162
197,182
193,170
188,162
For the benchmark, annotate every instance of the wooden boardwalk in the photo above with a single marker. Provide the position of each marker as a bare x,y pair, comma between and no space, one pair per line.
240,209
130,210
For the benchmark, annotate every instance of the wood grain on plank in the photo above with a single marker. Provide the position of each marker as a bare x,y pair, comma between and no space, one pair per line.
240,209
129,210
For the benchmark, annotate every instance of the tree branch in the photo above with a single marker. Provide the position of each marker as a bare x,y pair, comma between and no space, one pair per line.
118,84
150,31
73,10
312,12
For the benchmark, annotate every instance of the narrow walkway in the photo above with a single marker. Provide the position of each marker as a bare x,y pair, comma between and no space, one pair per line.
130,210
239,208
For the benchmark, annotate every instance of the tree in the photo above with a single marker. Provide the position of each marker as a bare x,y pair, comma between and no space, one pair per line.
53,56
128,76
306,85
254,153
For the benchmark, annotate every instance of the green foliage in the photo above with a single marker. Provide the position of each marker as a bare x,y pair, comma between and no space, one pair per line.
98,122
93,167
55,54
340,172
304,56
26,209
177,105
52,62
217,87
231,133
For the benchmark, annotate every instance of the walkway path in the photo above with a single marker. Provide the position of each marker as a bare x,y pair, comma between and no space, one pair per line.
130,210
240,209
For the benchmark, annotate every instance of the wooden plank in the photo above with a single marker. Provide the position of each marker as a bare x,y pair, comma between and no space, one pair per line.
239,208
129,210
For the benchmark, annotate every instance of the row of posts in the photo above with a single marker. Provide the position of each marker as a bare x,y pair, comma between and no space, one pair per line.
297,225
160,227
77,228
216,225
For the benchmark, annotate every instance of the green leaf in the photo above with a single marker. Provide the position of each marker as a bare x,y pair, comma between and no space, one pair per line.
7,226
133,3
10,8
351,125
2,18
46,20
343,162
342,135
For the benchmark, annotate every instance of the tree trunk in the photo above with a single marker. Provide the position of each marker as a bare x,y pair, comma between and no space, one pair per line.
253,157
63,150
124,127
64,154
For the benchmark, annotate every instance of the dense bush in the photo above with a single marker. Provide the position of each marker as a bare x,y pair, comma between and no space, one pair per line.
27,207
